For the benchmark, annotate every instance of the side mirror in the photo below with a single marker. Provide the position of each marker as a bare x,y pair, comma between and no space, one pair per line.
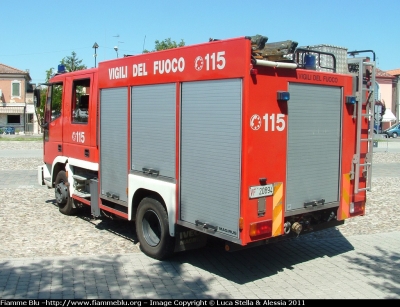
36,97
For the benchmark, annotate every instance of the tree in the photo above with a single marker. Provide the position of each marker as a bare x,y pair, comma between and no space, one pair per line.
43,93
165,44
72,63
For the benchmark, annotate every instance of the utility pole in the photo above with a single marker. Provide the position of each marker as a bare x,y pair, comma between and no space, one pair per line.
95,46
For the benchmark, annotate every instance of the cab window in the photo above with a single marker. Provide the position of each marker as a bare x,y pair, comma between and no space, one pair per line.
80,101
54,102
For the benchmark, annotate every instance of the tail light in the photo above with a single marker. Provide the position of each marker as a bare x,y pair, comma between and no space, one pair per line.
357,208
261,229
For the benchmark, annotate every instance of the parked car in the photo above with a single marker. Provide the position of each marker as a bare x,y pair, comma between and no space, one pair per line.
393,131
7,130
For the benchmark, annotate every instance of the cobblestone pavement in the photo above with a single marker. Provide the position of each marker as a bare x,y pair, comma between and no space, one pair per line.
44,254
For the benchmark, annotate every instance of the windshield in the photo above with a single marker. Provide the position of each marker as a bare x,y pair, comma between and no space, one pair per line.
393,126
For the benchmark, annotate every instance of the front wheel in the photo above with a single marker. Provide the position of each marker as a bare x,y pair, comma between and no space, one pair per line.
152,229
394,135
63,199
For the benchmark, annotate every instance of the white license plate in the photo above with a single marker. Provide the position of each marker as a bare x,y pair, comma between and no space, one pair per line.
261,191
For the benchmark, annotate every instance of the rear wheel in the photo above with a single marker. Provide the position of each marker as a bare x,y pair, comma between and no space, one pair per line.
63,199
152,229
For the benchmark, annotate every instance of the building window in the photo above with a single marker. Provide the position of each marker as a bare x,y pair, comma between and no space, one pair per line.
13,119
16,89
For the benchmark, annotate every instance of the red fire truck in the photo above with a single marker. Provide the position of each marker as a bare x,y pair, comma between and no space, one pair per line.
239,139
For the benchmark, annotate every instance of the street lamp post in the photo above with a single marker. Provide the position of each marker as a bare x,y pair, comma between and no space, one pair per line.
117,47
95,46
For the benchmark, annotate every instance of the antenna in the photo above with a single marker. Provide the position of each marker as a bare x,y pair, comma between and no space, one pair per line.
116,48
144,41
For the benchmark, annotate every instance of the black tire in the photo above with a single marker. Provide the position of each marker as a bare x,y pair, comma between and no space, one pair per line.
63,199
394,135
152,229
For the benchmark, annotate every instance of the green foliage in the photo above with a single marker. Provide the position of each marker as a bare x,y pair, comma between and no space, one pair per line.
49,73
40,110
43,92
72,63
56,99
7,138
165,44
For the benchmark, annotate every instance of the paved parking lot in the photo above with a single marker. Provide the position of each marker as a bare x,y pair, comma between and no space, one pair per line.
44,254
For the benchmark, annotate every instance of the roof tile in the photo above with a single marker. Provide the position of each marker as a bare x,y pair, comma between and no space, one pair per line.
5,69
394,72
383,74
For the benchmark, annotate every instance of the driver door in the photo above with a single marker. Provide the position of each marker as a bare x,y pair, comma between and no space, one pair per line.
54,122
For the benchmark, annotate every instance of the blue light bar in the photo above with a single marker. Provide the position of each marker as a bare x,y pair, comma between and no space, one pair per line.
283,96
351,99
61,68
309,61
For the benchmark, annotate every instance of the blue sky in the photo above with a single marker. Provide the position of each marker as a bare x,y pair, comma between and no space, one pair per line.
36,35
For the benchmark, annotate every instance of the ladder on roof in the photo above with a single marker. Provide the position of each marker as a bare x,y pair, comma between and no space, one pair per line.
364,70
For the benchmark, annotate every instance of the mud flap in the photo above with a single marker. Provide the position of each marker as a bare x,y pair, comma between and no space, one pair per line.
186,239
40,175
94,201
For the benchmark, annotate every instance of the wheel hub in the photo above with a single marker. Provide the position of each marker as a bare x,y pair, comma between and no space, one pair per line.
61,192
